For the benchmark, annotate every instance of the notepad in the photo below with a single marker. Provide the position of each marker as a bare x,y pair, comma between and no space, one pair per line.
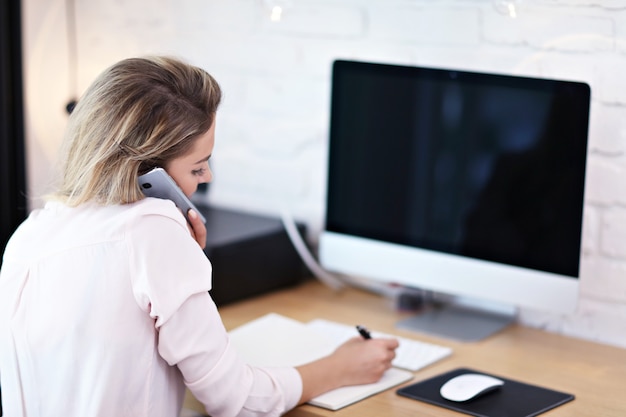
276,340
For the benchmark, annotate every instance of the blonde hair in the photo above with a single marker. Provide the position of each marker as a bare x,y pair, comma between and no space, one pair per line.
138,114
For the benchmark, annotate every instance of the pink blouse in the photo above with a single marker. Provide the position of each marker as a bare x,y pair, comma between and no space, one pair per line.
105,311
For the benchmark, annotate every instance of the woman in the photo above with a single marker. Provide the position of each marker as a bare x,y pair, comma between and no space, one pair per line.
104,303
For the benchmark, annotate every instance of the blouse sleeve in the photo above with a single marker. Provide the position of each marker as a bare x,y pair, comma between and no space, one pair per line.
172,280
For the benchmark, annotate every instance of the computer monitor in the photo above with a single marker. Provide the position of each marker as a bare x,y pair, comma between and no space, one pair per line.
467,185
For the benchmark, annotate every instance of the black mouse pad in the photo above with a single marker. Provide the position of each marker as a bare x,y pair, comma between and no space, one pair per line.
513,399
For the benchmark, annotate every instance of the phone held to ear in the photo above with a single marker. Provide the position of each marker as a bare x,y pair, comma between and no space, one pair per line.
157,183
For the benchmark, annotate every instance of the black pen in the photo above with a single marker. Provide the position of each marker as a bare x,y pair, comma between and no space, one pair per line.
363,332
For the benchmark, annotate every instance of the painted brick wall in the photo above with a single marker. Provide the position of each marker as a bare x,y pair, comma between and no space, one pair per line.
272,127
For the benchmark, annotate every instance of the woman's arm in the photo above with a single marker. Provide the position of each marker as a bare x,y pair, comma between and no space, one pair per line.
358,361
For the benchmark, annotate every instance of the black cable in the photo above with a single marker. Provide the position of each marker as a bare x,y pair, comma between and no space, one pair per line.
72,52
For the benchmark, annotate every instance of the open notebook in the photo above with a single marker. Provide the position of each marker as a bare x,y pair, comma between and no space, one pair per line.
276,340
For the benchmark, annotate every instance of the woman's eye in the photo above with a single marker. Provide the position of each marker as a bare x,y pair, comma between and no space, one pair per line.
198,172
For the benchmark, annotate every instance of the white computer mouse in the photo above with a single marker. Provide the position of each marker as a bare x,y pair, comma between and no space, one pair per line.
465,387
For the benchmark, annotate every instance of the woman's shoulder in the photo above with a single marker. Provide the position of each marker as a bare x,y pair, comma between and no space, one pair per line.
57,227
157,208
143,208
153,217
113,221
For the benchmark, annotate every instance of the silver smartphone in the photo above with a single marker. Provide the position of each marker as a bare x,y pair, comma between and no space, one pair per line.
157,183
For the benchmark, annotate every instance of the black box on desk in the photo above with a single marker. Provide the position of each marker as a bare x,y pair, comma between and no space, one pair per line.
250,254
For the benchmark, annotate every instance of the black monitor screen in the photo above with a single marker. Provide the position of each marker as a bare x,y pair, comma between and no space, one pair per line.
480,165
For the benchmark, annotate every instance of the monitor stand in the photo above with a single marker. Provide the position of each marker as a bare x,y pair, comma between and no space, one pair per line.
460,321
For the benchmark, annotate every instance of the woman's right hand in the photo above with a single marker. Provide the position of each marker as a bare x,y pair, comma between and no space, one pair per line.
357,361
365,361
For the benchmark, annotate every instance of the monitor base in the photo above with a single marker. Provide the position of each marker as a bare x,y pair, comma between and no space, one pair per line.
458,322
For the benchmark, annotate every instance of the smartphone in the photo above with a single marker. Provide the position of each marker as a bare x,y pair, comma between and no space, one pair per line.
157,183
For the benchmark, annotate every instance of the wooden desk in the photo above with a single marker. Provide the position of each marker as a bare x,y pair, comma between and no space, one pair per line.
594,373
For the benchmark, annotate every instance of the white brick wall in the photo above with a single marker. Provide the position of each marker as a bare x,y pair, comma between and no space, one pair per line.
271,145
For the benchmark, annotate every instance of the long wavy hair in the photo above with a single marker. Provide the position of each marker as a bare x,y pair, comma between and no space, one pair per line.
138,114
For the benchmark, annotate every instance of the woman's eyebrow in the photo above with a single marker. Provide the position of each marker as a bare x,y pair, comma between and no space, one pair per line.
203,159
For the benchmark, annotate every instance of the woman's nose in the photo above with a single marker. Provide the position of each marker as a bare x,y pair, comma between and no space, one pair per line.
207,177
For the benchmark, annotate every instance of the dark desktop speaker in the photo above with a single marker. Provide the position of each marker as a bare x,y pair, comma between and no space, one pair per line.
250,254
